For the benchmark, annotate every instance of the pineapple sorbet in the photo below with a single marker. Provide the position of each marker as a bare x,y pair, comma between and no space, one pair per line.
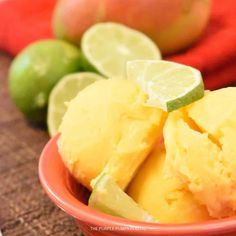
107,128
194,173
189,178
201,150
166,198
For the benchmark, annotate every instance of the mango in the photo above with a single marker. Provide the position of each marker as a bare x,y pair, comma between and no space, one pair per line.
173,25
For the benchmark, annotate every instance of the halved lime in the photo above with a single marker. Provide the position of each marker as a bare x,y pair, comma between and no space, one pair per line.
109,198
168,85
66,89
107,47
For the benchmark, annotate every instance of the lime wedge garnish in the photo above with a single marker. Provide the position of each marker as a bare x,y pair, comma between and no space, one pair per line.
107,47
168,85
66,89
109,198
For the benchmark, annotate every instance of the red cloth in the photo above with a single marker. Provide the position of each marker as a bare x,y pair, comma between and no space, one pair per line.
24,21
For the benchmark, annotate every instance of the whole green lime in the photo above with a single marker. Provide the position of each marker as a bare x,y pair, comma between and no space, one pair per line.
35,71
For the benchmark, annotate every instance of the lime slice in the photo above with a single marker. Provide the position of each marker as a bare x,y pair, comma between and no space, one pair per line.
168,85
109,198
63,92
107,47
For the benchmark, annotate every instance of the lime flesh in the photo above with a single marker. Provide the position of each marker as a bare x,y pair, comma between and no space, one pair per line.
109,198
106,48
168,85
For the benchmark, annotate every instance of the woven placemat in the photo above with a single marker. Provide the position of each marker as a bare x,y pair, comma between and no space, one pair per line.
24,207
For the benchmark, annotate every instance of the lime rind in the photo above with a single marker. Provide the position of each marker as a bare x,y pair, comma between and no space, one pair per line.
168,85
108,46
109,198
180,101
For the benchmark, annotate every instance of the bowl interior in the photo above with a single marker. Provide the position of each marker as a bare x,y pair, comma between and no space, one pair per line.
76,189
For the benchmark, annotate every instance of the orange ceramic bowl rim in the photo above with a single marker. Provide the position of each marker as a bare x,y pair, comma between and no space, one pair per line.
58,192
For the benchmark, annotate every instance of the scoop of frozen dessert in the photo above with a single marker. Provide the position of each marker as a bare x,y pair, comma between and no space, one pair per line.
201,150
108,129
167,199
216,115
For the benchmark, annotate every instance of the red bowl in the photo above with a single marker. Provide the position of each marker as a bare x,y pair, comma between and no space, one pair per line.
72,198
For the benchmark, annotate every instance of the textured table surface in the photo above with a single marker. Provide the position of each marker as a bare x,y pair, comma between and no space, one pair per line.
24,208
